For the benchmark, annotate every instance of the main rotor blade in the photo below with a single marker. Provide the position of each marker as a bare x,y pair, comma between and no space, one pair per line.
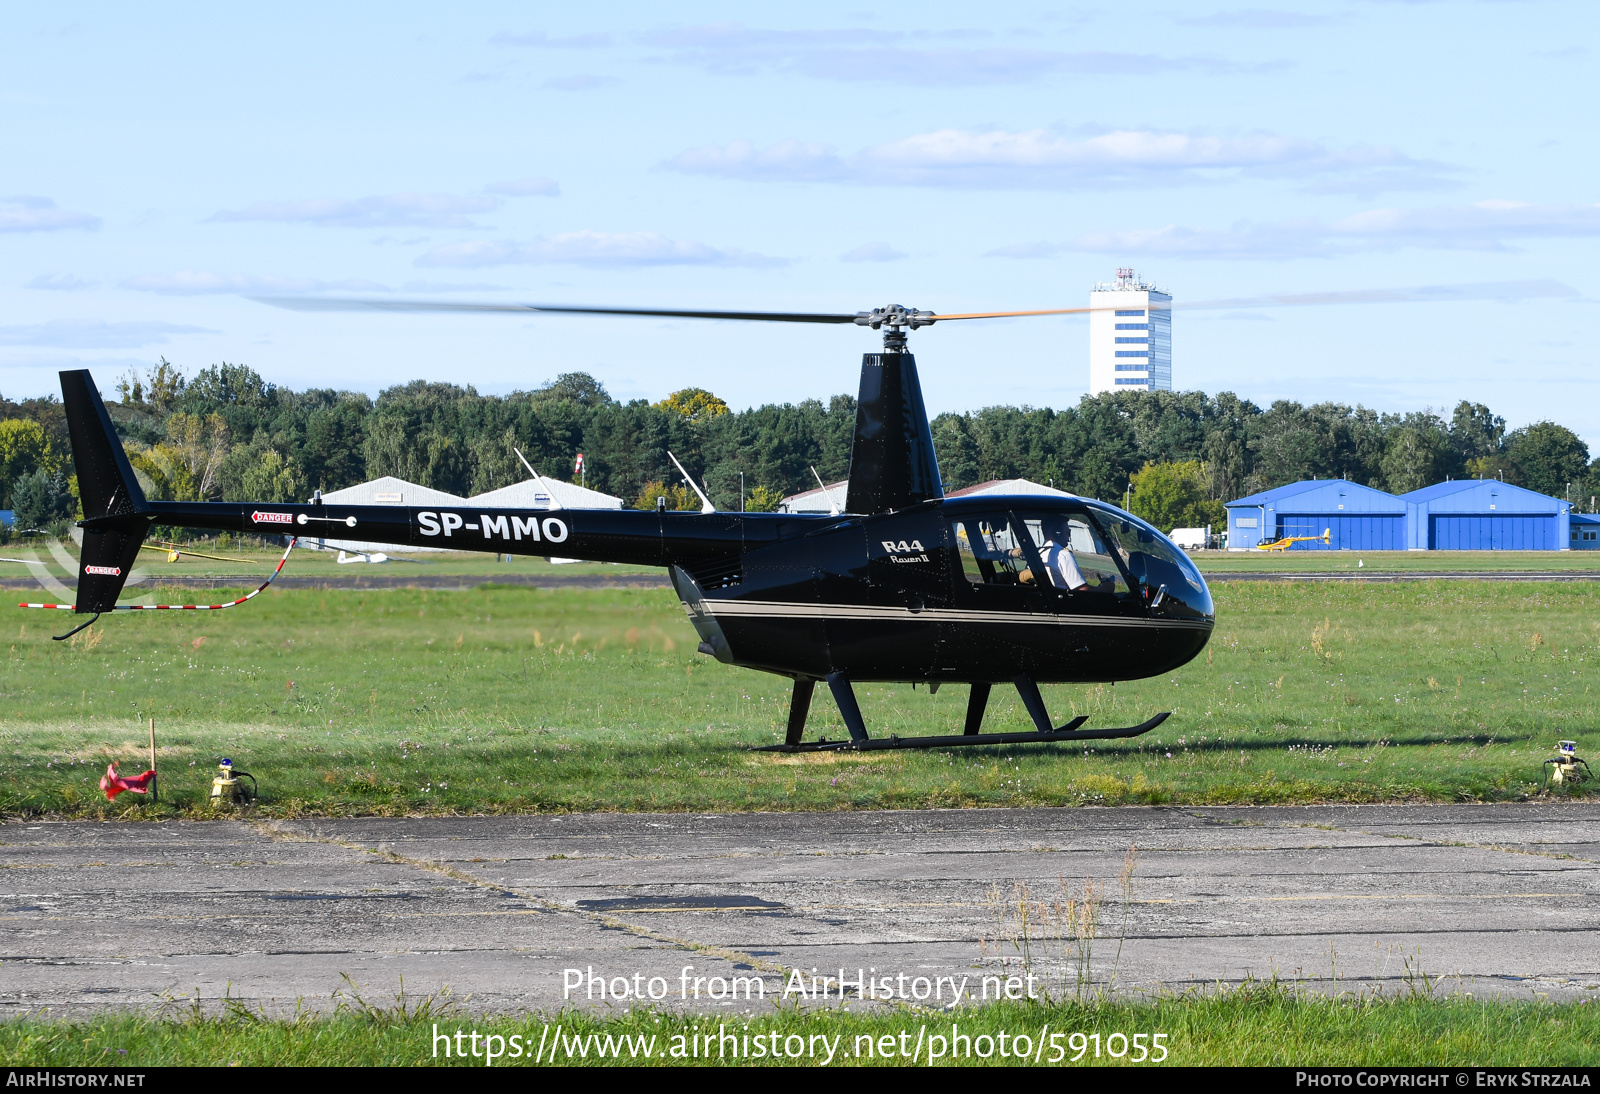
896,317
1010,314
310,303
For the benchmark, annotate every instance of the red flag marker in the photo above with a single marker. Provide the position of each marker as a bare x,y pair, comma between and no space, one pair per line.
114,784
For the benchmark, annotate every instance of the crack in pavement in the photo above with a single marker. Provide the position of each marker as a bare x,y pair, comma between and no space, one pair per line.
279,831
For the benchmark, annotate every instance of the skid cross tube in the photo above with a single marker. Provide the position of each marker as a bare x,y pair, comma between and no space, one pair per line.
1066,733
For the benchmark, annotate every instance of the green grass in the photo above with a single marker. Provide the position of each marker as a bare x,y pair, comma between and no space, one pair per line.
308,563
506,699
1256,1025
1222,563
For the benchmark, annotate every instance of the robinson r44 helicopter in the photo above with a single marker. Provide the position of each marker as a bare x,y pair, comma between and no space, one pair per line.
904,585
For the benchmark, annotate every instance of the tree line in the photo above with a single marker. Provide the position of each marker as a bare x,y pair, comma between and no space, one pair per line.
225,433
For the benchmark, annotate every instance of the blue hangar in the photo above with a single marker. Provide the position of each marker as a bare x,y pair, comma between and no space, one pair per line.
1358,518
1584,534
1486,515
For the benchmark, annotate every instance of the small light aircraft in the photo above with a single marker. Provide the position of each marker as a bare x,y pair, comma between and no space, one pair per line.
1289,541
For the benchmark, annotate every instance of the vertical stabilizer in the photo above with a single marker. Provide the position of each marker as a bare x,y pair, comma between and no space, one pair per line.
105,478
115,513
892,464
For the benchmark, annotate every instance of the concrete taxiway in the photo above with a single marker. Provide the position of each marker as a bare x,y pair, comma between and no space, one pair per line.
1496,900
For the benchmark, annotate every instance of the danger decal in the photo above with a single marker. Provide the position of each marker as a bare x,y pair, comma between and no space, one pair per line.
272,518
104,571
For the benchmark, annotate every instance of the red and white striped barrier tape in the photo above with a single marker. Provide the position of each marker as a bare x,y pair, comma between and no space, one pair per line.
183,607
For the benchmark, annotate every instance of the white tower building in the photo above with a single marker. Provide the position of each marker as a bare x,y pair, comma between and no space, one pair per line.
1130,336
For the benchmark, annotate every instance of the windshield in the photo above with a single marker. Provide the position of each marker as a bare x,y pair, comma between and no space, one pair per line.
1153,560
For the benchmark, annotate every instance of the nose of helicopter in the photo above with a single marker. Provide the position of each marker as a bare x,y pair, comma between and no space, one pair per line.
1174,587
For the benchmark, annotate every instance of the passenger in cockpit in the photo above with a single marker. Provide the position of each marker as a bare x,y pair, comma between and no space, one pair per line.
1056,553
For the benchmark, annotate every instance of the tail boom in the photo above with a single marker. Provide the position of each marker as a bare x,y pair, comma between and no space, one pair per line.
117,517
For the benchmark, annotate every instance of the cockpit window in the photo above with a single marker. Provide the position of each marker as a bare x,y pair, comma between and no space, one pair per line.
1153,560
991,551
1074,556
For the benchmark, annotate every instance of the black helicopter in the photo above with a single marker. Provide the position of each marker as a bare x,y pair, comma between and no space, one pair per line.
904,585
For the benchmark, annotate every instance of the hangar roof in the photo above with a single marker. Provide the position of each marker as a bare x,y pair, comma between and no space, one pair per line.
1479,496
1324,496
1008,486
388,490
537,494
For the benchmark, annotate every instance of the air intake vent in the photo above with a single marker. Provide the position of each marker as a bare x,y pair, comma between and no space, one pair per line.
716,573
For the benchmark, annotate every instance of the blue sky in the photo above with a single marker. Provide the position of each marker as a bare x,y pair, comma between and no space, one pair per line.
1390,203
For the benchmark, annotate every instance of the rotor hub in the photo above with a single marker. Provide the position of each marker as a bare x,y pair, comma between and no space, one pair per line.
895,320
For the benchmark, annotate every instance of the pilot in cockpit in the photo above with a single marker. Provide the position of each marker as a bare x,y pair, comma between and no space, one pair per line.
1056,554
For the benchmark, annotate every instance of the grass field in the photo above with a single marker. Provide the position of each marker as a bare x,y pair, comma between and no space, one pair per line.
1258,1025
1225,562
306,563
503,699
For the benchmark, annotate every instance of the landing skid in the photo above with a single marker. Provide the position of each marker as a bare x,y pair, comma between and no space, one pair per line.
1065,733
859,741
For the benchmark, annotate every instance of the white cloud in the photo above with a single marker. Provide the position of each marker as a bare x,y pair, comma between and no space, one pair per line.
1482,226
30,213
1041,159
391,210
1284,239
193,282
93,334
60,282
587,248
521,188
786,161
874,55
873,252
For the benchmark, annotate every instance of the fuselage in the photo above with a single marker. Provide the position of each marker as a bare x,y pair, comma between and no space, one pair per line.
951,590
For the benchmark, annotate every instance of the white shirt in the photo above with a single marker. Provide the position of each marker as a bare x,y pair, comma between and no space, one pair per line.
1061,566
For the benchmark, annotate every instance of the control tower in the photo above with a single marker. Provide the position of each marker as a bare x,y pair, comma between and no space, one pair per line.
1130,336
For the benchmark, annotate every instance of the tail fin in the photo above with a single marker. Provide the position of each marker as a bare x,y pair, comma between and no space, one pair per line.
105,478
892,464
116,514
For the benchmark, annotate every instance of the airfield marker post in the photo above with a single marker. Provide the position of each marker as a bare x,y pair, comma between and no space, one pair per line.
155,788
